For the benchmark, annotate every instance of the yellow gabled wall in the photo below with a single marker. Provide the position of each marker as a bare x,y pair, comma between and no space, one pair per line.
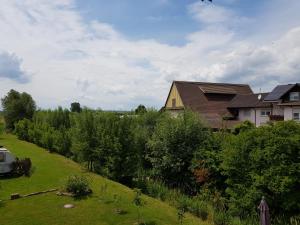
174,94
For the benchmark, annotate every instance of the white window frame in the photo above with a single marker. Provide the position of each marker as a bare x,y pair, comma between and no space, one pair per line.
294,96
265,112
297,118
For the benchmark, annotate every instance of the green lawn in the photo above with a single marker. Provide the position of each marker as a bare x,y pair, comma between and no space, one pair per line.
50,171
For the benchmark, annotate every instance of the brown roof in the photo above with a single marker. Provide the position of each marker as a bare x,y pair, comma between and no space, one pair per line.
210,99
249,101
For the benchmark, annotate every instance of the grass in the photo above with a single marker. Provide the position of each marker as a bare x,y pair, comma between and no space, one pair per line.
51,171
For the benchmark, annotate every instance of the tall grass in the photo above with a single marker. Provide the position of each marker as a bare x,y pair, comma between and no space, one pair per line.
205,209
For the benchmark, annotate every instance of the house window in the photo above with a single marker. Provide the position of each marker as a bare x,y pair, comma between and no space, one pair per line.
2,157
174,102
294,96
265,112
247,112
296,116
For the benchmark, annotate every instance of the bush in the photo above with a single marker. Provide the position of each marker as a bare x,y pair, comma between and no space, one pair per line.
22,166
199,209
78,185
157,190
221,218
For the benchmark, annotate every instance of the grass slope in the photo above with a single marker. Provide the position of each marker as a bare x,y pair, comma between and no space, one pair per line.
51,171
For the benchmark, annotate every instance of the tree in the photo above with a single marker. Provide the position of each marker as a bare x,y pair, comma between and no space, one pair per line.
85,141
141,109
138,202
172,148
75,107
263,162
17,106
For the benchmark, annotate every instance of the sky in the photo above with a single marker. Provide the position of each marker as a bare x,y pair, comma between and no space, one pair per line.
117,54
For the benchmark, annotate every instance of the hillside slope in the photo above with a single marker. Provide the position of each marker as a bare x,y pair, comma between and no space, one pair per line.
51,171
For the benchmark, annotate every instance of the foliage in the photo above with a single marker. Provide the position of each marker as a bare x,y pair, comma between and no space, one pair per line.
75,107
138,202
78,185
17,106
52,171
22,166
141,109
172,147
225,170
221,218
263,161
242,127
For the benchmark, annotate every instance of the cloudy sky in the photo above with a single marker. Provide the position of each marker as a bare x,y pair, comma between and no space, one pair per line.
117,54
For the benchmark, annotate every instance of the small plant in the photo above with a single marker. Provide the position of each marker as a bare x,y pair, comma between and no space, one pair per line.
78,185
103,190
138,202
157,189
199,209
182,208
117,200
221,218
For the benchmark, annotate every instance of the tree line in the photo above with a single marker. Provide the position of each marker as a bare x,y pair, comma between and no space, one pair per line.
239,166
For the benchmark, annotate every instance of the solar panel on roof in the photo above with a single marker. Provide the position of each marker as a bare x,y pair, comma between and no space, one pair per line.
278,92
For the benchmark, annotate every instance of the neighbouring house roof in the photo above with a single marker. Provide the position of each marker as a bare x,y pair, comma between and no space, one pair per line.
210,99
249,101
290,104
279,91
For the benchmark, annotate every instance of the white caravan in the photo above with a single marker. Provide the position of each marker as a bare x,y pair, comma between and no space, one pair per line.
6,158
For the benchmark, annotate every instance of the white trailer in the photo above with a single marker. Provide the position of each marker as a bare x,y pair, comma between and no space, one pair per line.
6,159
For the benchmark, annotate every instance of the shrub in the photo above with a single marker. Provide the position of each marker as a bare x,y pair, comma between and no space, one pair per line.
21,166
199,209
78,185
221,218
21,129
157,190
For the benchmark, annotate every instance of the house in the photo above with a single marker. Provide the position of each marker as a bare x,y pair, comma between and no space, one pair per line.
224,105
6,158
210,100
286,101
251,107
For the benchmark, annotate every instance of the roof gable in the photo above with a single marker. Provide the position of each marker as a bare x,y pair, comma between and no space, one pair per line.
209,98
280,90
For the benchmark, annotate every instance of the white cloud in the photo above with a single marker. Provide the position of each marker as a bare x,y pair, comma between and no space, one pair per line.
93,63
10,68
210,13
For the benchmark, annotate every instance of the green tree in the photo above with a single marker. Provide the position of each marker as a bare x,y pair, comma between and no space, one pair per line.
172,147
141,109
85,141
17,106
75,107
263,161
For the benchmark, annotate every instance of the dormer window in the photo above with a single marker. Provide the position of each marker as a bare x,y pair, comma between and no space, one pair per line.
294,96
